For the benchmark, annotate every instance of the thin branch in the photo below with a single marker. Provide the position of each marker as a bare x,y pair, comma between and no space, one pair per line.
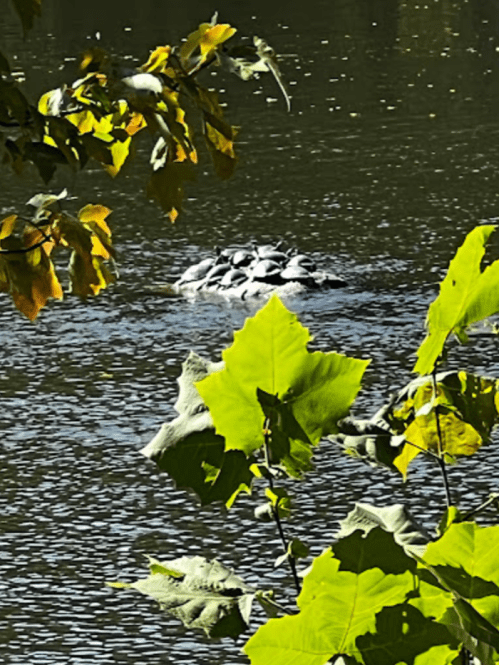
275,509
25,250
493,498
441,460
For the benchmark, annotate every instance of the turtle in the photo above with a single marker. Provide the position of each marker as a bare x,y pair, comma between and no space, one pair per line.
233,277
216,273
333,281
267,271
197,271
298,274
225,255
303,261
242,258
273,255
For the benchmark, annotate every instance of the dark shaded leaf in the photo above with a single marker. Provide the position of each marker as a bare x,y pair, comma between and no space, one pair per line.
375,548
188,449
166,186
402,633
27,10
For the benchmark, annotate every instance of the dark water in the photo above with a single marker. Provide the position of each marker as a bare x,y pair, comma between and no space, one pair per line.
389,158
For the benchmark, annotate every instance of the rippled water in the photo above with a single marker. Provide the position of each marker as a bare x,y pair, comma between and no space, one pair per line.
389,157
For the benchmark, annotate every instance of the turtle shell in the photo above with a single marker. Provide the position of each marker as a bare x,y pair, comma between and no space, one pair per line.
242,258
217,272
302,260
233,277
297,274
197,271
266,271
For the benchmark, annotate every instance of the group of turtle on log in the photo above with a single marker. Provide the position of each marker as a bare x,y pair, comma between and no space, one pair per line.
254,272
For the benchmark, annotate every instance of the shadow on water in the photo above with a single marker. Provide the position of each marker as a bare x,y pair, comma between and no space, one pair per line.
388,159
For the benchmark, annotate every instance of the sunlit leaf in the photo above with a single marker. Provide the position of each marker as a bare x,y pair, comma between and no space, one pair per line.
467,295
7,226
119,152
395,519
96,214
202,594
466,408
270,353
336,607
204,40
158,60
464,558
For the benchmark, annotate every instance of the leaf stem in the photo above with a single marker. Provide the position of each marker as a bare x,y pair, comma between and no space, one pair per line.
25,250
440,457
275,509
493,498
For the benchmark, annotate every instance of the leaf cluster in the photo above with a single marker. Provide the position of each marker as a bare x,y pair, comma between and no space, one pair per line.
370,602
27,247
448,417
259,413
100,115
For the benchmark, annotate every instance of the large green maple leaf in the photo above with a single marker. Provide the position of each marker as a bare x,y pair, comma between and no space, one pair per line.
269,355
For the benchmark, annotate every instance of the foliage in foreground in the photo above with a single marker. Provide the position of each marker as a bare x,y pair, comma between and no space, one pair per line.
100,115
27,248
384,592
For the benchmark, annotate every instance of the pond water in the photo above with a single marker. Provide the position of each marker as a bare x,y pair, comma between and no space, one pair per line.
389,157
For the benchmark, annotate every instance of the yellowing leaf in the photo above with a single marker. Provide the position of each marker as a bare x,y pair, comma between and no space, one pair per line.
215,36
97,214
7,226
206,38
135,124
158,60
85,121
119,151
31,285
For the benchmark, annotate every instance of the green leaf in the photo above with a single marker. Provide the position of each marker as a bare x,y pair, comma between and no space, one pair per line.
270,353
464,558
202,594
402,634
279,500
287,442
465,594
467,295
190,451
337,606
395,519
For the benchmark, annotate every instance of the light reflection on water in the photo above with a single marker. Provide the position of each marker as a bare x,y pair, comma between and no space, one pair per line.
381,195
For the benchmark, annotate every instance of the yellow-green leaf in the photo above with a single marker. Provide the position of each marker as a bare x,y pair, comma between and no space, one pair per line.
467,295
